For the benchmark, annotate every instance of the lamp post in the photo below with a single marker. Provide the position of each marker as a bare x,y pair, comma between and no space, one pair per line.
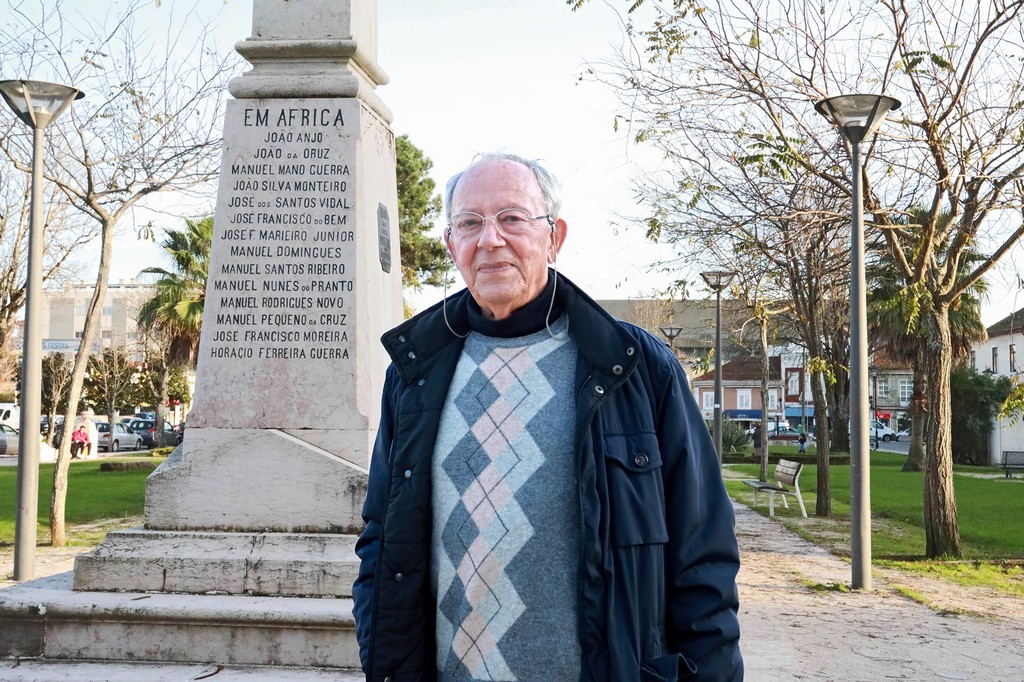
671,333
716,281
37,104
857,117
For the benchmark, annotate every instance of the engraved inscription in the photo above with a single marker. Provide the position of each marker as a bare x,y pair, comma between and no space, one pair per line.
282,289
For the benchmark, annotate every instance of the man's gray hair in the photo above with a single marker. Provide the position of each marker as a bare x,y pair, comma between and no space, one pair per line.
549,185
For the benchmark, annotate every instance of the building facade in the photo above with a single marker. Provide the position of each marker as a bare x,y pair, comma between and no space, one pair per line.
692,322
741,391
65,311
999,354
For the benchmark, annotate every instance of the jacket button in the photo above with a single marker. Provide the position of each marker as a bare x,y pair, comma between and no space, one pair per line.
630,351
412,356
617,370
641,459
401,339
387,679
421,382
599,390
398,577
408,473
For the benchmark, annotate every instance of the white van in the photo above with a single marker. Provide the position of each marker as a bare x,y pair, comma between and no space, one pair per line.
10,414
877,429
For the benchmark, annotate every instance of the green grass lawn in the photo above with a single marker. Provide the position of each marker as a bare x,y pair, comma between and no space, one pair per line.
990,510
92,494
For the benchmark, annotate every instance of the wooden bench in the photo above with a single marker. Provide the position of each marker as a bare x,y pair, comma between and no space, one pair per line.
787,473
1013,460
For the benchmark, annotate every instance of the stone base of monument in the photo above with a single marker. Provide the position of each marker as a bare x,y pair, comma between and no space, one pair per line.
247,558
263,564
45,618
210,529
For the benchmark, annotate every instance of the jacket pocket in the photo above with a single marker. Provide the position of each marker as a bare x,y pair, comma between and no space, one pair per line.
667,668
635,490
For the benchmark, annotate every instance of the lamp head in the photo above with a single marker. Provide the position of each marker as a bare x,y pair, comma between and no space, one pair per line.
671,332
857,116
717,280
38,103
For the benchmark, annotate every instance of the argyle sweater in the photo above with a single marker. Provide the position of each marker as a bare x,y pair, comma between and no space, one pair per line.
505,547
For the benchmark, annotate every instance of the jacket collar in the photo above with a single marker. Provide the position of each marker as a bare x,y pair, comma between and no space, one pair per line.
600,338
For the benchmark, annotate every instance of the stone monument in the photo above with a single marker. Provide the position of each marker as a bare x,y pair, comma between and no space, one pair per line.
263,498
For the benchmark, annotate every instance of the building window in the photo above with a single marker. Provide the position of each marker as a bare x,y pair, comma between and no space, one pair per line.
793,379
995,359
78,335
743,399
1013,357
773,400
709,400
106,334
81,310
108,310
906,391
883,387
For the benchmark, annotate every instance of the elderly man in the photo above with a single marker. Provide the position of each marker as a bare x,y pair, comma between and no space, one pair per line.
544,500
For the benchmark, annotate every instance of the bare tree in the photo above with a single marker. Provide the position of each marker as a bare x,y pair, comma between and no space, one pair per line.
151,124
64,233
740,76
56,384
110,379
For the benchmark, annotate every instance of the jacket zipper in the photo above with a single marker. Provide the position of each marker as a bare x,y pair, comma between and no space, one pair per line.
579,496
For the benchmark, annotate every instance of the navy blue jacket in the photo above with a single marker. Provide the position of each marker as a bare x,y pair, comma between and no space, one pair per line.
658,557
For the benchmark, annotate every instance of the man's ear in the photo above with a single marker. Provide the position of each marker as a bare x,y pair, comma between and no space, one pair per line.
558,233
448,243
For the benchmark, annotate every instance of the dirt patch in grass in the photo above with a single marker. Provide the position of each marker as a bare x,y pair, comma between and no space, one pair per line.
53,560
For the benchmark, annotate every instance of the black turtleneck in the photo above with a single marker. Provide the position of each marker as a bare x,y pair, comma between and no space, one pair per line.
523,321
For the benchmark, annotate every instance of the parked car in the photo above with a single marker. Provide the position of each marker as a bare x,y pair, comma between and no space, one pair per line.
903,433
44,421
124,438
9,440
144,429
882,432
783,433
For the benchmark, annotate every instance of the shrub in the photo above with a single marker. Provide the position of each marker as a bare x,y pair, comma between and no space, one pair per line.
734,437
125,466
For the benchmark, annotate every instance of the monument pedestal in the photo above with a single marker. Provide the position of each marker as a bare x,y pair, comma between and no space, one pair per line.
247,552
264,564
45,618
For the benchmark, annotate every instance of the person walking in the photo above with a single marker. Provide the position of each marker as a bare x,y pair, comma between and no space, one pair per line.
544,500
803,441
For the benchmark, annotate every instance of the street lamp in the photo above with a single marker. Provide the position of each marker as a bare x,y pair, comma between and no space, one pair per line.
37,104
671,333
716,281
857,117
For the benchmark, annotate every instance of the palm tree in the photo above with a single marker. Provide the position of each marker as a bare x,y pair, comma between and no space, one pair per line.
173,318
176,309
895,325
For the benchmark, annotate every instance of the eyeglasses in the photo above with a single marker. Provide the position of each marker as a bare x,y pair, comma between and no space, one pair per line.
509,221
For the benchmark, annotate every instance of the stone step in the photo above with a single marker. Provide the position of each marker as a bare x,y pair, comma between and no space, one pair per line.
46,618
42,670
198,562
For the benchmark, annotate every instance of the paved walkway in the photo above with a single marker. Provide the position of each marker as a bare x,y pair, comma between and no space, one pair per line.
792,629
795,625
